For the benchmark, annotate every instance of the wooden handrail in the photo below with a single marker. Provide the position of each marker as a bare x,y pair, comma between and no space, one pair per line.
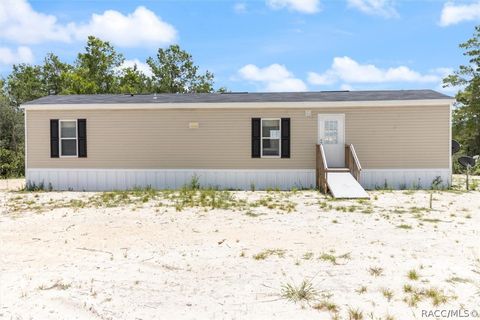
352,162
321,168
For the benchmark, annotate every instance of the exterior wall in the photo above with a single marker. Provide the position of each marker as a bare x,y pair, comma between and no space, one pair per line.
393,139
400,137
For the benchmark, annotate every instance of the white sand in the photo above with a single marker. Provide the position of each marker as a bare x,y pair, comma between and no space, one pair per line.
126,263
11,184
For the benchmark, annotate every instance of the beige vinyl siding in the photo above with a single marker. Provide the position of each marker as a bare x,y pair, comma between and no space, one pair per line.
384,137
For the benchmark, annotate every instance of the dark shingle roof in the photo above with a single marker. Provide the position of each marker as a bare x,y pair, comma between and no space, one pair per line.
322,96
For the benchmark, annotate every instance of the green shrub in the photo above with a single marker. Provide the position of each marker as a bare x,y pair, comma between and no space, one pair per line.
12,164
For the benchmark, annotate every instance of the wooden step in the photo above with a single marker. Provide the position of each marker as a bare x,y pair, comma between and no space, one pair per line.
338,170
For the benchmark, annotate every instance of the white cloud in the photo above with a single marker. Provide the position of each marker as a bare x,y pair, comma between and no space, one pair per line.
142,28
240,7
443,71
303,6
384,8
321,79
349,71
141,66
286,85
22,55
271,73
275,77
20,23
453,14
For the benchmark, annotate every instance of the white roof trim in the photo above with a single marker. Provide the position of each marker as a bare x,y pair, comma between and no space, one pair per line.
241,105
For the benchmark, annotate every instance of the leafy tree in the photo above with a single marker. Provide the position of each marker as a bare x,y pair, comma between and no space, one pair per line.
223,90
96,69
11,126
54,74
466,115
3,92
174,72
25,83
11,140
134,81
74,82
12,164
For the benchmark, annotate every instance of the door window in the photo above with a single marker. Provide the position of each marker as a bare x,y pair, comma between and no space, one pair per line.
331,132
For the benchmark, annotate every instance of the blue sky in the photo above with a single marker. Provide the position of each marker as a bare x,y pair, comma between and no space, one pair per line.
261,45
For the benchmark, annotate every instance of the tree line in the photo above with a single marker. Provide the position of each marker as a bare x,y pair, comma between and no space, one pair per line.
466,113
96,70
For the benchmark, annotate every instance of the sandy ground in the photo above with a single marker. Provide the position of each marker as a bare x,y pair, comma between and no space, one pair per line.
148,260
11,184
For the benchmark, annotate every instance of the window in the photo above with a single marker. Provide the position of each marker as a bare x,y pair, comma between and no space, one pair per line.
68,138
331,132
271,137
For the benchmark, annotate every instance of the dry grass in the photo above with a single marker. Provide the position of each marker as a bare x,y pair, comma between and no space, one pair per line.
268,253
326,305
413,275
355,314
304,292
375,271
59,285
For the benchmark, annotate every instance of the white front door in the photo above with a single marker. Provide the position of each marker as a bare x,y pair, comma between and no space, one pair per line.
331,133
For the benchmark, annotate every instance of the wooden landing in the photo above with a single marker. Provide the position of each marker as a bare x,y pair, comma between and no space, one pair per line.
343,185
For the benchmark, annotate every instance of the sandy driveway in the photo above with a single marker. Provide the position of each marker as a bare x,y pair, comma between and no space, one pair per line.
151,259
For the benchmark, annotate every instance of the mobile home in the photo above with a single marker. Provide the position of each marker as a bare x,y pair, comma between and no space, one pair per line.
397,138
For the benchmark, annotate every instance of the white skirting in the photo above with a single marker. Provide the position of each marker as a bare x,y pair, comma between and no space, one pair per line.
241,179
121,179
405,178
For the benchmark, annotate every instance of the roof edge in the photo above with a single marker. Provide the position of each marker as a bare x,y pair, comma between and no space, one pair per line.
242,105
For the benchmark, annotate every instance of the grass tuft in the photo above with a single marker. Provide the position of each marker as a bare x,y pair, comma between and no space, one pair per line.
269,252
326,305
375,271
415,295
387,293
59,285
355,314
437,297
361,290
329,257
413,275
305,292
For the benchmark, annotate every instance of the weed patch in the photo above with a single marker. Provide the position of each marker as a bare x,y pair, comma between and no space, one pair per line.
304,292
269,252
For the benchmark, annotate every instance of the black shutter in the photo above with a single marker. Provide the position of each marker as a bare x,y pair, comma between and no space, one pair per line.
256,127
54,138
82,138
285,137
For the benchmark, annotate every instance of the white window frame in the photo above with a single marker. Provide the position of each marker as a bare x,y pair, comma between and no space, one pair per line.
279,139
60,138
